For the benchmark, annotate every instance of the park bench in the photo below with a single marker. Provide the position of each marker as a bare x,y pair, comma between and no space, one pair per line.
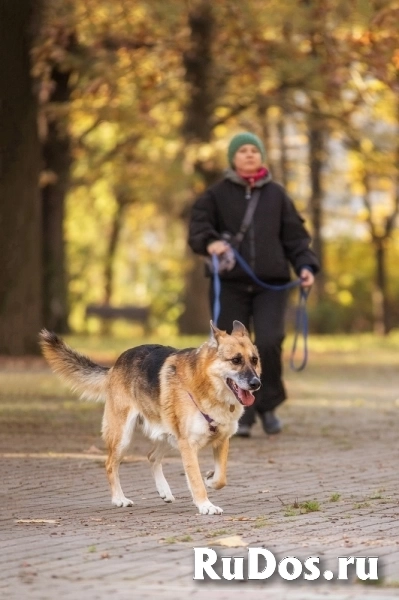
139,314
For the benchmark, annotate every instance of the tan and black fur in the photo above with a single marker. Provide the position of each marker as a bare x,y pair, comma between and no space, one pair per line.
185,398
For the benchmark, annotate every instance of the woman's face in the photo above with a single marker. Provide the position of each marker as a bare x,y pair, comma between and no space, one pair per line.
247,159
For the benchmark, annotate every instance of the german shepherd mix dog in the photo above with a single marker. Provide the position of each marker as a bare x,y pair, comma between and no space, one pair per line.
186,398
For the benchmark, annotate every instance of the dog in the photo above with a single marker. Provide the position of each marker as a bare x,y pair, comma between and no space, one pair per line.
187,398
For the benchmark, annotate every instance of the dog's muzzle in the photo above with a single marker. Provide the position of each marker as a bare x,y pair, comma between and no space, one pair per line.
244,397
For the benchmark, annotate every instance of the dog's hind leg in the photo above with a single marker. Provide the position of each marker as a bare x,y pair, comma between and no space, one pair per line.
155,457
118,442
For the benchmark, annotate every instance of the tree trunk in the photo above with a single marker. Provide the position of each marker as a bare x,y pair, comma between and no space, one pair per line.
283,149
199,75
273,134
20,215
316,160
199,71
110,258
57,162
109,264
379,295
196,318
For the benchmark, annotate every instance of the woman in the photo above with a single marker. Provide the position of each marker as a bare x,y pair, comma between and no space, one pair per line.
275,238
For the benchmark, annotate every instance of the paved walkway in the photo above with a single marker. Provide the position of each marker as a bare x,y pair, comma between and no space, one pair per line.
60,537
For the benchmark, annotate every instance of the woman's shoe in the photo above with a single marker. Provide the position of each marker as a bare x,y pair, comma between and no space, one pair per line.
271,424
243,431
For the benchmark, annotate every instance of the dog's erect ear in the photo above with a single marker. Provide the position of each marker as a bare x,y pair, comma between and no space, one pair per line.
215,334
239,329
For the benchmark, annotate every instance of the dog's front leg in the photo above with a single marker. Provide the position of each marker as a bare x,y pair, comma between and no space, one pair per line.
196,485
218,478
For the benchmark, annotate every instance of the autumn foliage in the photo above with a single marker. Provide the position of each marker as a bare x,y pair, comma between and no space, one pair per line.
137,101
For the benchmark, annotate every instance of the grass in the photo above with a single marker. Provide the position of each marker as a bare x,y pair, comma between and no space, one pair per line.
261,521
335,497
393,583
310,506
298,508
108,348
377,495
174,540
361,505
359,372
355,343
354,365
346,348
290,512
170,540
217,533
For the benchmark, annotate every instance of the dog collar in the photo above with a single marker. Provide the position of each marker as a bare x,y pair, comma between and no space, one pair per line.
212,428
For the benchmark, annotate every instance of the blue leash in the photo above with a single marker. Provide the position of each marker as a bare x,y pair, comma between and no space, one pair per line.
301,321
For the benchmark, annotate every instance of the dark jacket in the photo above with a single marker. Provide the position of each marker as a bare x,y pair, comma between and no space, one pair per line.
275,238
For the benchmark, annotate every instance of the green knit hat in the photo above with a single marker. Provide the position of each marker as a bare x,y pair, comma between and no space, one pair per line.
244,138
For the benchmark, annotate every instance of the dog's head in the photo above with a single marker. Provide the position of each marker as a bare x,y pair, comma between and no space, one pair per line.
237,363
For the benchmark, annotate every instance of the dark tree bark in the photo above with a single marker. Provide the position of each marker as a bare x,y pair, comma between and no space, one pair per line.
283,178
109,266
273,134
381,312
110,258
317,154
380,302
199,70
57,162
20,208
199,76
316,162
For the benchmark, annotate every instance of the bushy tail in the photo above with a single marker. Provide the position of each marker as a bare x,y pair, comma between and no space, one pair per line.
77,370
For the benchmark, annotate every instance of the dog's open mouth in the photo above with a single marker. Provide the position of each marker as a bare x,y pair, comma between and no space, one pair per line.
245,397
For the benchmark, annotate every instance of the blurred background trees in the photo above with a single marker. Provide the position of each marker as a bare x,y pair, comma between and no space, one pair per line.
124,116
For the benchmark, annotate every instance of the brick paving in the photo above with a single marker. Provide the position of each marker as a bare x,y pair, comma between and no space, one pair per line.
344,456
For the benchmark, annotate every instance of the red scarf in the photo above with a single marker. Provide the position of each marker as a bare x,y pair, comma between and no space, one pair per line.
251,179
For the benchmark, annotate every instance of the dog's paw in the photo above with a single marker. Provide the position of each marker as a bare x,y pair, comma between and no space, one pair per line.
122,502
207,508
164,491
167,497
213,483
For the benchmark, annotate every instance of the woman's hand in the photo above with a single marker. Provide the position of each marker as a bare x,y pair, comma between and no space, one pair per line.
307,278
217,247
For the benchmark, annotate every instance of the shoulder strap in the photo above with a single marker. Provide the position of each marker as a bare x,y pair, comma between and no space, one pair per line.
249,213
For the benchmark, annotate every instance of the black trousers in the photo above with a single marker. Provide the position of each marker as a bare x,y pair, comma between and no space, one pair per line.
263,313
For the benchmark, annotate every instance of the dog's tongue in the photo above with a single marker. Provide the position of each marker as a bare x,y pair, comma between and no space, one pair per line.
246,397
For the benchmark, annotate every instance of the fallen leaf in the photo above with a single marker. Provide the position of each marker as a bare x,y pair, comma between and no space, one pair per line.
92,450
233,541
51,521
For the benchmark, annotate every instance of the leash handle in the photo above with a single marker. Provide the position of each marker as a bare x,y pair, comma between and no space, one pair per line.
301,324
